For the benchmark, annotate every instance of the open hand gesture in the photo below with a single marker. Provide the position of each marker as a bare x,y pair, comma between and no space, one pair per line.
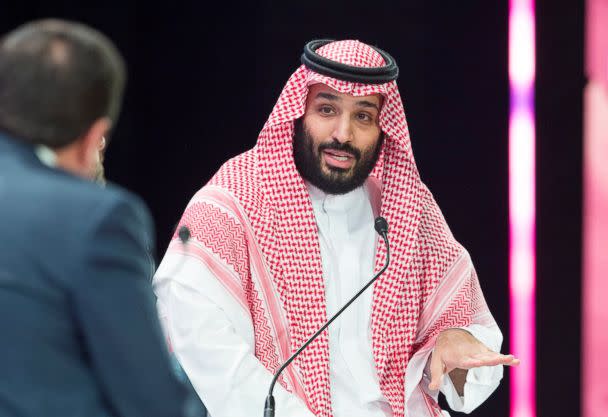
459,349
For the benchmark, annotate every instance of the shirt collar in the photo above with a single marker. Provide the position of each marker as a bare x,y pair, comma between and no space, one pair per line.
46,155
336,202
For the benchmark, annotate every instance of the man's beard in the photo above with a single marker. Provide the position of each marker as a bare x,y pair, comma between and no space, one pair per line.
338,181
99,175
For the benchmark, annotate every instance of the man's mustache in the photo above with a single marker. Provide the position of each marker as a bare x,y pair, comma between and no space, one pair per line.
343,147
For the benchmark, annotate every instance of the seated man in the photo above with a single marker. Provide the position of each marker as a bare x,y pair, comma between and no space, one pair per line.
283,235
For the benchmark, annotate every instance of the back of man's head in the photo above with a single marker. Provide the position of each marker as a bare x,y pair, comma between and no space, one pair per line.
56,79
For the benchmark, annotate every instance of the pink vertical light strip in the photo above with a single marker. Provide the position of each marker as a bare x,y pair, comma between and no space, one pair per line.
594,387
594,366
522,212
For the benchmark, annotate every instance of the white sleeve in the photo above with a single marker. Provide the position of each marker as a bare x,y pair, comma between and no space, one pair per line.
212,337
480,382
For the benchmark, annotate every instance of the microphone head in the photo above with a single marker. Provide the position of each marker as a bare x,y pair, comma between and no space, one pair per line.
184,234
381,225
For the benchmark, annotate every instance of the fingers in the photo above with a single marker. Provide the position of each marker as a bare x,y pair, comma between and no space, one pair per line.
489,359
512,362
515,362
437,371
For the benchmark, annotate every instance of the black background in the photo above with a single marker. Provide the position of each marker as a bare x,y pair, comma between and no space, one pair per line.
203,78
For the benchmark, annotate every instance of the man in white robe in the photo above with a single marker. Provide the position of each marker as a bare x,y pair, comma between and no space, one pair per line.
283,235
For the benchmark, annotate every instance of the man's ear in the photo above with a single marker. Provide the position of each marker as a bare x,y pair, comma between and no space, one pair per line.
93,142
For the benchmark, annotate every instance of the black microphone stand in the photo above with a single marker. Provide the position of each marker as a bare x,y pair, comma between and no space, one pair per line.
381,226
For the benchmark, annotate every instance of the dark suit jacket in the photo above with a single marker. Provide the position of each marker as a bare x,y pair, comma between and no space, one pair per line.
79,334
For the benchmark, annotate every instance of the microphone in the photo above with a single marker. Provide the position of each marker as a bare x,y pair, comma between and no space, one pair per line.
381,226
184,234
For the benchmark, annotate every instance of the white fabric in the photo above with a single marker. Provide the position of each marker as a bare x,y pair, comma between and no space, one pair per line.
212,335
46,155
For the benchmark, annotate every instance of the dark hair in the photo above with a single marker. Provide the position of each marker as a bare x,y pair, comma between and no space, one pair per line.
56,78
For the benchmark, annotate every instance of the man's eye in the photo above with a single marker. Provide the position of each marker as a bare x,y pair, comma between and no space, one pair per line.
364,117
326,110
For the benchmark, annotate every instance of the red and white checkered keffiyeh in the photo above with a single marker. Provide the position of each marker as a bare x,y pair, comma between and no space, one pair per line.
256,218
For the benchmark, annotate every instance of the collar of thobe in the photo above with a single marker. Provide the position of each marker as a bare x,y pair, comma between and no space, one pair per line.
335,203
46,155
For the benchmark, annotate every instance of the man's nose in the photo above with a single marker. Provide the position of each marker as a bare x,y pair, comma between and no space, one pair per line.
343,130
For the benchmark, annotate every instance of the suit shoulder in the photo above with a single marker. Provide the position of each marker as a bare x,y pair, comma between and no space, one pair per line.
116,194
74,190
85,200
114,203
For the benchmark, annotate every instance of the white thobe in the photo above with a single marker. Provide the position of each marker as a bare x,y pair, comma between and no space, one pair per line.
214,340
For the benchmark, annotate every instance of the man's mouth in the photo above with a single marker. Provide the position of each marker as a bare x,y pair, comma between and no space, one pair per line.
338,159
